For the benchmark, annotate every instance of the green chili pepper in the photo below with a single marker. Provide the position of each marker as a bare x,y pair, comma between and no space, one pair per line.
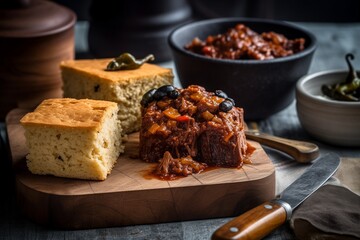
349,90
126,61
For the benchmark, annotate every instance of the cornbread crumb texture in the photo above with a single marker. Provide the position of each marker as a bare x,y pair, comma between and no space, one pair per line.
88,79
73,138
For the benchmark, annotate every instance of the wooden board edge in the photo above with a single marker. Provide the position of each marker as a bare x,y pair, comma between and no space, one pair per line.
138,207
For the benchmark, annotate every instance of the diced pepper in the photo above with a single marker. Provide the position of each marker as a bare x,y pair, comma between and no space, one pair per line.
216,99
171,113
207,115
196,96
153,128
162,128
183,118
162,104
171,124
217,120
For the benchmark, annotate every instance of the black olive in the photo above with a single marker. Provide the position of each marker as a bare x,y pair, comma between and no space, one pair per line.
225,106
158,95
220,93
166,88
148,97
231,100
173,94
163,91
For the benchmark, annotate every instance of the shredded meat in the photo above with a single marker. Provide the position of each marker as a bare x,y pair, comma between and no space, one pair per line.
191,129
241,42
169,166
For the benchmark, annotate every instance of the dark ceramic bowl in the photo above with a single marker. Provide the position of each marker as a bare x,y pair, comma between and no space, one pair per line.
261,87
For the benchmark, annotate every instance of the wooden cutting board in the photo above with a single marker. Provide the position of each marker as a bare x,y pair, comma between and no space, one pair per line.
129,196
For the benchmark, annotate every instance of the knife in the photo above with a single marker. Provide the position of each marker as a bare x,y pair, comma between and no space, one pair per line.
261,220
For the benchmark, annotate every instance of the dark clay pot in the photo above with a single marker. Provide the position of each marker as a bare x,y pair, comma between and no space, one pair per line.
140,27
35,36
263,87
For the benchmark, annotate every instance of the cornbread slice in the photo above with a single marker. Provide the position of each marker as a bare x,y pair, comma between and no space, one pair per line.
88,79
73,138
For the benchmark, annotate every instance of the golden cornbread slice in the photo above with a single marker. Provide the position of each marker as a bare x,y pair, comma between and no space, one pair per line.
88,79
73,138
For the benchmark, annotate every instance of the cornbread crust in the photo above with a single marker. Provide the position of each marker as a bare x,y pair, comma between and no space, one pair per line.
88,79
73,138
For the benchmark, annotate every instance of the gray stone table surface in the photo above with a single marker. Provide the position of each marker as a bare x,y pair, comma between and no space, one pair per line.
334,41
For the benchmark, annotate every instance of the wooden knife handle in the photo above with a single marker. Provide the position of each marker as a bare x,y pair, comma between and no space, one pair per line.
255,223
301,151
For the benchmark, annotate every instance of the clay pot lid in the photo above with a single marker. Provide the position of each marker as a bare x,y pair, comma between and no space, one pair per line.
33,18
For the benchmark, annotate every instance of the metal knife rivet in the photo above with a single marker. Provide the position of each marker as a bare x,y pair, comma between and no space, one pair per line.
234,229
267,206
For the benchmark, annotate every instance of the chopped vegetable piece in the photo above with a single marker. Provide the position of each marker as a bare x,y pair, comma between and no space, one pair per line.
162,128
217,120
162,104
183,118
171,124
216,99
196,96
171,113
207,115
153,128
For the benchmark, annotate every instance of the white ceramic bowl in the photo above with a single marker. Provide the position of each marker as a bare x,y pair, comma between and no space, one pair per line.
331,121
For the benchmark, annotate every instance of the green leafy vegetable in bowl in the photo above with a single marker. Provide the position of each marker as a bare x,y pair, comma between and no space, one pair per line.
349,90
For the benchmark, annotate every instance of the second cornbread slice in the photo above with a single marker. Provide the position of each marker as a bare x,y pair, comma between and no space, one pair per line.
88,79
73,138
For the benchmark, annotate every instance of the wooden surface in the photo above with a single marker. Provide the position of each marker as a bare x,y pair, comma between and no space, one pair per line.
129,196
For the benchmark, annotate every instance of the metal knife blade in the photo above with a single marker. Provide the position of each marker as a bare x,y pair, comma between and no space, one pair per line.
261,220
311,180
